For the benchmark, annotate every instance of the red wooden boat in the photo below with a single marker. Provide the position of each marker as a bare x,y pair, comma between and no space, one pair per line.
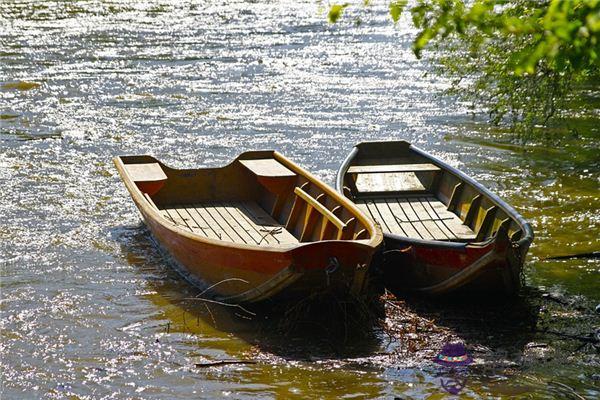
257,228
443,230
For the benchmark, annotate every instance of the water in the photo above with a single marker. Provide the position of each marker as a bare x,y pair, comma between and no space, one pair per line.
90,308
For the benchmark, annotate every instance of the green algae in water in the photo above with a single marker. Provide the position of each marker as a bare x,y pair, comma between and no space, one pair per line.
20,85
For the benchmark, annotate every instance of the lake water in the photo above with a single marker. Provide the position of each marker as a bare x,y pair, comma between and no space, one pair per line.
89,307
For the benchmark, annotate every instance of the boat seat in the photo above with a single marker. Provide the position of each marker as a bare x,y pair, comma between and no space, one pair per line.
418,217
268,167
379,169
149,177
273,175
232,221
406,175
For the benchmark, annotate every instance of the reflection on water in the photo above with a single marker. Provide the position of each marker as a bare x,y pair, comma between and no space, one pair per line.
89,307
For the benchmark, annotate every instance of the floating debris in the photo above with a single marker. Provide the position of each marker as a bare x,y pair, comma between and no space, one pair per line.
20,85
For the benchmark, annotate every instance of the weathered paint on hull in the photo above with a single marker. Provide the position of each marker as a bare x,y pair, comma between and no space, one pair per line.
250,272
421,268
487,257
242,269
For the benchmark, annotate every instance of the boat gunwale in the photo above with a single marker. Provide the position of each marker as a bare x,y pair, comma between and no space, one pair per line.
508,209
375,239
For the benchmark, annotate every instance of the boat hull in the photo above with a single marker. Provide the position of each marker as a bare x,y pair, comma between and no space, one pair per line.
441,269
485,256
250,275
257,229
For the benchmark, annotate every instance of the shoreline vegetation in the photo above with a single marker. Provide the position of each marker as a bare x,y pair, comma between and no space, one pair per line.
531,66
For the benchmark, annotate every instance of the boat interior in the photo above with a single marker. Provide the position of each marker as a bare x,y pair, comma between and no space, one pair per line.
409,195
261,198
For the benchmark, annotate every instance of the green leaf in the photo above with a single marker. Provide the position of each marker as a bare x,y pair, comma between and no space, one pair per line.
335,12
396,8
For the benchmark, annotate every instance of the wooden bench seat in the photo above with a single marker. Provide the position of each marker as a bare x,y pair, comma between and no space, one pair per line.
149,177
150,172
232,221
380,169
268,167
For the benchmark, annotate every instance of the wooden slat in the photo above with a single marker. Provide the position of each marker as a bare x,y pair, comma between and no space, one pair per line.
444,228
473,210
426,226
434,230
189,219
327,230
374,169
223,224
418,214
440,209
362,207
408,210
233,212
234,223
455,197
365,208
422,214
486,224
319,207
255,229
239,222
388,182
424,201
361,234
427,219
459,229
449,222
297,207
310,219
221,233
271,231
346,233
440,226
423,231
175,218
403,219
420,217
149,199
389,217
206,229
266,225
377,217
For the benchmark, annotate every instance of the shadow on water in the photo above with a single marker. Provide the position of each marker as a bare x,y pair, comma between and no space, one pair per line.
492,327
392,330
317,327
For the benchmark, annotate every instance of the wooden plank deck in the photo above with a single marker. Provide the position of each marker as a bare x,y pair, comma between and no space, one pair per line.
234,221
419,217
